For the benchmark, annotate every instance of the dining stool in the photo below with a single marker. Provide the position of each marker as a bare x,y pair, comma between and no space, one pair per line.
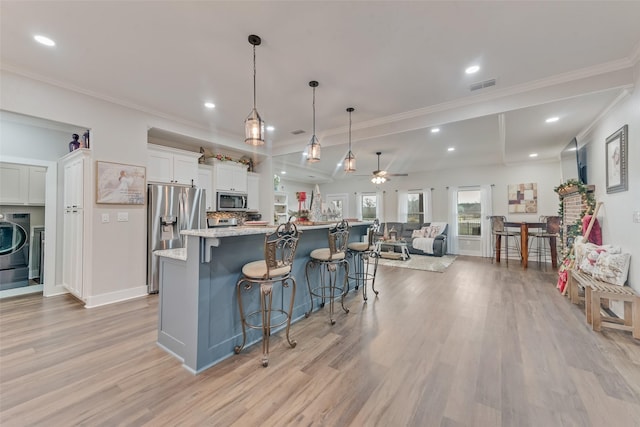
328,262
498,231
279,253
365,260
542,238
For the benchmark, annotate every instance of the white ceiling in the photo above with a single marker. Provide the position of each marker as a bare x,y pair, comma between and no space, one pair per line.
400,64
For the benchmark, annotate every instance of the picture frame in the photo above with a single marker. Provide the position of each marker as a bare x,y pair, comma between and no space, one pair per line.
120,184
616,161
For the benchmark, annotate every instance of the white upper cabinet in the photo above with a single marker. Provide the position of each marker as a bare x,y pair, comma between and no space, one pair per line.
230,176
205,181
22,184
173,166
253,191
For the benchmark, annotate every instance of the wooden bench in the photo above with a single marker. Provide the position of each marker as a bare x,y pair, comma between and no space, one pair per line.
596,293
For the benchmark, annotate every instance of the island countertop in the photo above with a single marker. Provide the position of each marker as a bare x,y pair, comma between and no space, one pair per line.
247,230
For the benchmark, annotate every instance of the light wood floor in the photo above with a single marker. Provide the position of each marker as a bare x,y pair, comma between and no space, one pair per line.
480,345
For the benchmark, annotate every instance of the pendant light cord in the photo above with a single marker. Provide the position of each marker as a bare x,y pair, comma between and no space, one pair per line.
349,132
254,76
314,111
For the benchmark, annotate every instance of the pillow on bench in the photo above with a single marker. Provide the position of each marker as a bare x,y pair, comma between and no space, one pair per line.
606,263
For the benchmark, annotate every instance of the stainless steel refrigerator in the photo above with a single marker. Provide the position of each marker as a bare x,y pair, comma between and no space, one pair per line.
171,209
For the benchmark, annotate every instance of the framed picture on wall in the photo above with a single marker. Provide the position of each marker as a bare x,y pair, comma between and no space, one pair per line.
120,184
616,161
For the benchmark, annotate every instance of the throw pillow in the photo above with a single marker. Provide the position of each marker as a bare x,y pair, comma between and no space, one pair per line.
612,268
426,231
591,254
433,232
417,233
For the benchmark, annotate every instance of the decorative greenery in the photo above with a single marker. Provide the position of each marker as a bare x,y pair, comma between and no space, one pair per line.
588,199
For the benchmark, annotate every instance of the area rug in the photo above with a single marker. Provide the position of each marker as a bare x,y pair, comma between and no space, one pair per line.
421,262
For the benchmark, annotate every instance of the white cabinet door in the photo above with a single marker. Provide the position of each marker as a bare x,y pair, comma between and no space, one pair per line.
37,184
185,169
159,166
170,165
253,191
14,183
72,252
205,181
74,183
231,177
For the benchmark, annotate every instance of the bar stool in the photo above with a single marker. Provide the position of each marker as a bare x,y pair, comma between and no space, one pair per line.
543,238
498,229
365,260
279,253
329,261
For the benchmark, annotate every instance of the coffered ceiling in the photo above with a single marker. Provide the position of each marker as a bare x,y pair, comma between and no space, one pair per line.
400,64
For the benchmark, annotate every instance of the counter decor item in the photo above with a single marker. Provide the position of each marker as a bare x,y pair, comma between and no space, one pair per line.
75,143
85,139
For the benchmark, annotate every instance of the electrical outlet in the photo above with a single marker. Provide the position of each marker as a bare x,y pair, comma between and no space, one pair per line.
123,216
105,218
636,217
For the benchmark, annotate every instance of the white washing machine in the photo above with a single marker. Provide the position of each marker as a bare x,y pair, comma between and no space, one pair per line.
14,250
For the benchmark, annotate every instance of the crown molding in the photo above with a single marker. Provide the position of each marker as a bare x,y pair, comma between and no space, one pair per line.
130,105
624,94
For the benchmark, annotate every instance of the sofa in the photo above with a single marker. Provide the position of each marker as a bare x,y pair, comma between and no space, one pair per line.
410,232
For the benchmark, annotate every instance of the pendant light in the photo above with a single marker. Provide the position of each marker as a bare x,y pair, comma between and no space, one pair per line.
253,125
313,149
350,160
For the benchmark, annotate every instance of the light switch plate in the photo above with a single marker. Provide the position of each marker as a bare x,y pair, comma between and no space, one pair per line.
123,216
636,217
105,218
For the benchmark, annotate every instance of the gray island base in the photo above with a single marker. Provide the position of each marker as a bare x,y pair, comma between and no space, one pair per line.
199,319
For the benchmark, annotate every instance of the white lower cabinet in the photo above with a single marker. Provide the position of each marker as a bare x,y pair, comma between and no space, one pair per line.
72,252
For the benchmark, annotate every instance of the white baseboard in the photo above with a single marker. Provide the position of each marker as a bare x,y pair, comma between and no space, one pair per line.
111,297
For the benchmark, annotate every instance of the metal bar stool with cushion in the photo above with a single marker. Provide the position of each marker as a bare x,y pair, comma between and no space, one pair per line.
543,238
329,261
279,252
365,260
498,231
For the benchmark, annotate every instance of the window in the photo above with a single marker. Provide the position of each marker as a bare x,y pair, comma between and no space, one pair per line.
469,217
415,204
369,207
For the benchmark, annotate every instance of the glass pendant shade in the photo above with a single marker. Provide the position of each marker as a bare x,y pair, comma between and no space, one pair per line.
313,150
350,162
378,180
254,129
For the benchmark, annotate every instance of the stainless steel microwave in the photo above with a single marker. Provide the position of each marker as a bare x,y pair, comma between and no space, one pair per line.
231,201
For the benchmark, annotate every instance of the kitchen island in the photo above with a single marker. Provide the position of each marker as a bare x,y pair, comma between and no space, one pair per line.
199,319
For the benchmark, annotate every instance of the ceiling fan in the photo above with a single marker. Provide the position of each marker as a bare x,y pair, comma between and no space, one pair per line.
380,176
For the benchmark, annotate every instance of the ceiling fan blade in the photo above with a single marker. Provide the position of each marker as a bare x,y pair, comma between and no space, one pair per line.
398,174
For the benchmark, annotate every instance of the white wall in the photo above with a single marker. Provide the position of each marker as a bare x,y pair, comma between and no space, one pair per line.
116,250
545,174
616,214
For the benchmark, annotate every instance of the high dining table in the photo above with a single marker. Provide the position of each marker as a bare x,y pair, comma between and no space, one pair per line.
524,240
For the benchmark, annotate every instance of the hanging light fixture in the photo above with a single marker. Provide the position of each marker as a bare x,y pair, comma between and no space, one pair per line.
377,177
350,160
253,125
313,149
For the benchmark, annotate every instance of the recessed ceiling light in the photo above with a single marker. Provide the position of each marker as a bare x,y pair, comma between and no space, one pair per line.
210,105
284,172
270,128
435,130
451,149
473,69
44,40
552,119
533,155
